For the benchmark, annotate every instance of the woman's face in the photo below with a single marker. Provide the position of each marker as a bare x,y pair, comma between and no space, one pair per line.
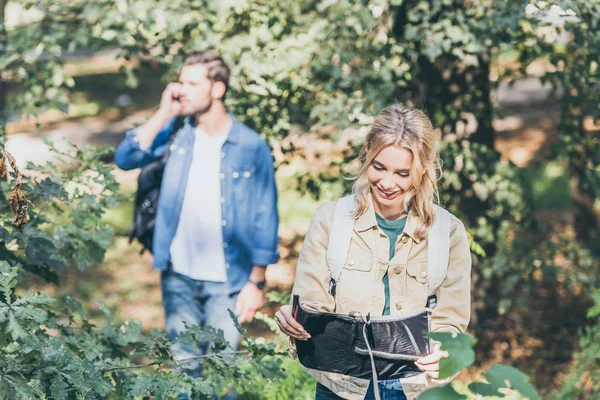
389,176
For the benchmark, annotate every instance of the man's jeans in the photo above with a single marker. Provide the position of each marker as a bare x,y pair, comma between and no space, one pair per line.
389,390
199,303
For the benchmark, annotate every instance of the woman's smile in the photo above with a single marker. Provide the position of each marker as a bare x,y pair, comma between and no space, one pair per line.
388,194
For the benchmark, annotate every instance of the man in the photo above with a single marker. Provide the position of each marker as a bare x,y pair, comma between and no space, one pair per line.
216,220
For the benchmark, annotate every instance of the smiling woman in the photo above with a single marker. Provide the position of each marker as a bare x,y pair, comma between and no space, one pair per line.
392,264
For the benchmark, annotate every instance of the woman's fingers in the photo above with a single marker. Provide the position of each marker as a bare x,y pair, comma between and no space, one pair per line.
286,311
289,325
428,367
434,357
290,328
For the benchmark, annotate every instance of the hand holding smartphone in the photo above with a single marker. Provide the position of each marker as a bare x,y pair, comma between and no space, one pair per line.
169,102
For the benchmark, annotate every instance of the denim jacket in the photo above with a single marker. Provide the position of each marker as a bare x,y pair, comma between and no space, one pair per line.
248,195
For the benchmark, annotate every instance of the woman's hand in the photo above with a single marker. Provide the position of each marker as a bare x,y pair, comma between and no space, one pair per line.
431,363
289,325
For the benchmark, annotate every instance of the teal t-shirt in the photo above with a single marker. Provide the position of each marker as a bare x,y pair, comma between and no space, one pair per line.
392,229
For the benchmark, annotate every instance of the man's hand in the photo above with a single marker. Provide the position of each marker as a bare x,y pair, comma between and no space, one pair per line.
170,106
431,363
250,299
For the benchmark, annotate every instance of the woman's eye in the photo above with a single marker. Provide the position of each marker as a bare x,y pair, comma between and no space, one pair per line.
377,167
403,174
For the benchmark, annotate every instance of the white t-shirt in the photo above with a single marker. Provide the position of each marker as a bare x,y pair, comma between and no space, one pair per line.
197,249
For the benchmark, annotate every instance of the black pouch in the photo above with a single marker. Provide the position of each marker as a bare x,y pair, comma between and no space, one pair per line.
345,344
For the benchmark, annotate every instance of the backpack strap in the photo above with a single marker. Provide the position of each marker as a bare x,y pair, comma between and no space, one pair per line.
438,252
177,125
339,239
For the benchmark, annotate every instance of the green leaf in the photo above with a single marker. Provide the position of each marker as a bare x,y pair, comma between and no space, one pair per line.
499,375
595,310
39,249
105,310
460,352
14,328
74,306
441,393
485,389
8,281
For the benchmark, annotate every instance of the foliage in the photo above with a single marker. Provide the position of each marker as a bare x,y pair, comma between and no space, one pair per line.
322,67
50,349
319,67
54,351
297,384
77,187
500,379
583,378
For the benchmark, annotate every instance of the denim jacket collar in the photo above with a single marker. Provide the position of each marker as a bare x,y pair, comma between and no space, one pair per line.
233,136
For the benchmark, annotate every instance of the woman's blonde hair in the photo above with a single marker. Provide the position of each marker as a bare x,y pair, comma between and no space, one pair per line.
410,129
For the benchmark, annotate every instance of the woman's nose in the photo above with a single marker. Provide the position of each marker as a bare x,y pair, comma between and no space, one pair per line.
387,182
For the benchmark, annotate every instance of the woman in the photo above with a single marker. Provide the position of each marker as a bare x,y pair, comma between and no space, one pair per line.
386,269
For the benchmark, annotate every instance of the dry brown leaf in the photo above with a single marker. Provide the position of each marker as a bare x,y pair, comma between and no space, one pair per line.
18,203
16,196
12,162
3,170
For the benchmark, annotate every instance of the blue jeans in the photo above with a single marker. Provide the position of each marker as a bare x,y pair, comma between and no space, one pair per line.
200,303
389,390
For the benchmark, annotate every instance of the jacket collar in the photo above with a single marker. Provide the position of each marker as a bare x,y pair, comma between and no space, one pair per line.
368,221
234,134
235,131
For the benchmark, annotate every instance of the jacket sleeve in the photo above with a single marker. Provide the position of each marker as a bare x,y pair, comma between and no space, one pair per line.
453,310
266,218
312,273
129,155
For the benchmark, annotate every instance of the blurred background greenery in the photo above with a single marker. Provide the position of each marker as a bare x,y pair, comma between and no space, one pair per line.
512,87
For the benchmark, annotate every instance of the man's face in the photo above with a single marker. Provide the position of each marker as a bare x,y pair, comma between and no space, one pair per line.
196,95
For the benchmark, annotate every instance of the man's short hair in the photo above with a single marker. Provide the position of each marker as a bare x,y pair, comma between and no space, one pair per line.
218,70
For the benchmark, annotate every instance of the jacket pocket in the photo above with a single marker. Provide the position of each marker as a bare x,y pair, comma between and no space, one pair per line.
354,288
241,177
358,262
417,282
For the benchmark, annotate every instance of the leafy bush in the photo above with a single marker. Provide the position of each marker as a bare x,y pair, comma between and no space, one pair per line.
500,380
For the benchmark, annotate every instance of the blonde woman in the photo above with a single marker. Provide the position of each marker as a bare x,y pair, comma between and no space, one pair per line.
386,271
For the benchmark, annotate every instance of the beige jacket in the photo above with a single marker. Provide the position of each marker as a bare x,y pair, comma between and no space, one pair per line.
360,287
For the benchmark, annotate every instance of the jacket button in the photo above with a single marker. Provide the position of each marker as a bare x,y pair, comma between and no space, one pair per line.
351,262
223,223
398,306
222,199
423,274
247,174
222,176
404,239
235,175
222,155
397,270
181,151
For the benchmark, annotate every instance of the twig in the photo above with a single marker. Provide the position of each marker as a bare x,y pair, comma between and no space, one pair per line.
178,361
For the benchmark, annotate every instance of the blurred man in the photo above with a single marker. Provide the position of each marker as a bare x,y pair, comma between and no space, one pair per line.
216,219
